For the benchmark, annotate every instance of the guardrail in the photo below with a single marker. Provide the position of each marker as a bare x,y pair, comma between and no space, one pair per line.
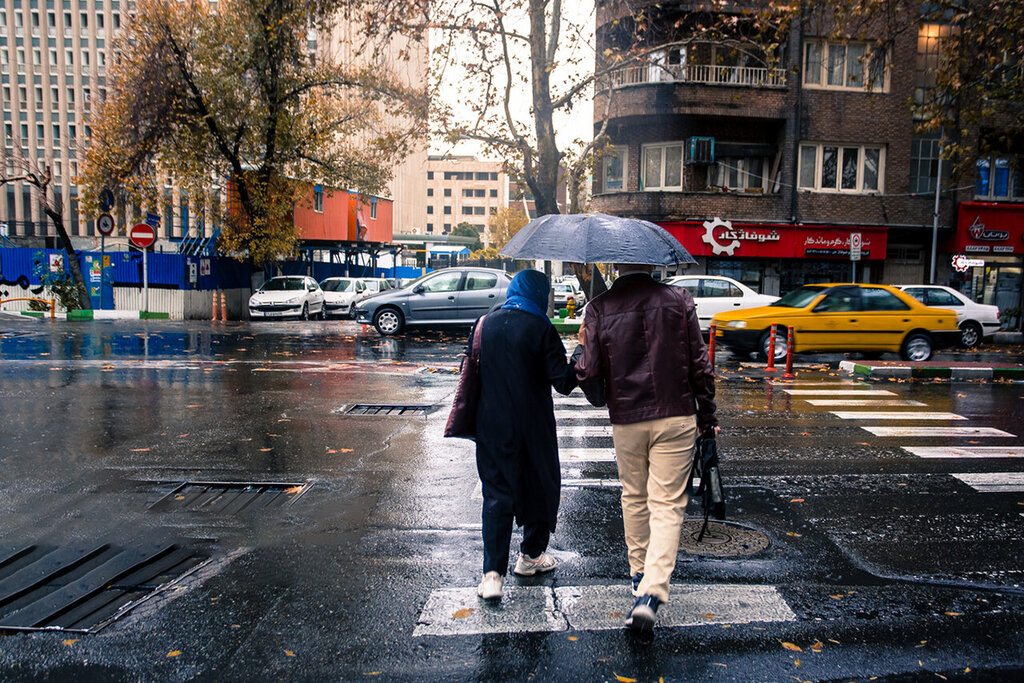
703,74
52,303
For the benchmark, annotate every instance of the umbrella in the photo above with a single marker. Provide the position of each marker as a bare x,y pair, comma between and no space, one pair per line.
596,238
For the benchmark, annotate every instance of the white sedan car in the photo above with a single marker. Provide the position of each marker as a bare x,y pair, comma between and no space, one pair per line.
339,293
715,294
976,321
287,295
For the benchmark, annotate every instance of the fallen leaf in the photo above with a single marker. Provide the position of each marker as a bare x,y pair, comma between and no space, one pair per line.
462,613
837,596
793,533
833,640
289,653
331,450
791,646
264,450
920,663
272,435
139,450
709,615
726,666
372,673
182,436
345,450
796,500
796,662
285,419
623,679
805,433
195,405
70,641
863,443
615,615
179,497
292,489
573,638
952,614
174,653
236,626
942,677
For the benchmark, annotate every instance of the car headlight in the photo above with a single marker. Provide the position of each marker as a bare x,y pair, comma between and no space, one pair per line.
737,324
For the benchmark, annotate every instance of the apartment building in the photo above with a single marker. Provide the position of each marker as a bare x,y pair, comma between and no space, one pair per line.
463,189
765,168
54,57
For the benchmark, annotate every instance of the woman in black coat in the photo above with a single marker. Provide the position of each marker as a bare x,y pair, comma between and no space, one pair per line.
521,358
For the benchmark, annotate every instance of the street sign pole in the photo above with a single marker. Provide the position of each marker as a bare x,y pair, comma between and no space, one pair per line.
145,281
142,236
103,259
855,248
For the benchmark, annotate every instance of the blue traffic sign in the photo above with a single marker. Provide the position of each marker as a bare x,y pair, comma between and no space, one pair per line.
153,219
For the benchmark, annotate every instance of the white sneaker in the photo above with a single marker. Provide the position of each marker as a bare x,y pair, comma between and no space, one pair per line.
528,566
490,586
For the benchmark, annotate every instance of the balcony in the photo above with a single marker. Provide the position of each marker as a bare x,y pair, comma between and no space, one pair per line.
698,74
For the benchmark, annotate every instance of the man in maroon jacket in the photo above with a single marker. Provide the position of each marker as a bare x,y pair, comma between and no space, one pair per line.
643,355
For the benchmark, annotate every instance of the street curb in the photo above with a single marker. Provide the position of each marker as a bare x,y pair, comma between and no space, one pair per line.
102,315
564,325
956,374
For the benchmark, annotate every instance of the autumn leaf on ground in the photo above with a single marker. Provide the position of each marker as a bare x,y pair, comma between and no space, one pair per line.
793,533
182,436
289,653
293,489
791,646
139,450
623,679
70,641
573,638
331,450
462,613
264,450
796,500
272,435
195,405
952,614
837,596
174,653
818,646
179,497
284,419
709,615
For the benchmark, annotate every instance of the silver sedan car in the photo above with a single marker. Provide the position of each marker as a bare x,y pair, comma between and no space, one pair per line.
451,296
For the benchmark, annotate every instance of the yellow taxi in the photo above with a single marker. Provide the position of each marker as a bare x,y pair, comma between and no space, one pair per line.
841,317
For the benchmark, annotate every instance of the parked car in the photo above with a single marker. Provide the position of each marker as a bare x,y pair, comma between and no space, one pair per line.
339,293
840,318
450,296
375,285
715,294
287,295
976,321
566,290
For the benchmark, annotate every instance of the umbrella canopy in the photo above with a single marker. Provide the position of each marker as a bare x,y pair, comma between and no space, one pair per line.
596,238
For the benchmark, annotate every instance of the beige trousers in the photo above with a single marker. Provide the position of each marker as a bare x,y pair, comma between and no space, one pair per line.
654,460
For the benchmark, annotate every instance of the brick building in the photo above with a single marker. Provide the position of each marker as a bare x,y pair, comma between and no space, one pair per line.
764,167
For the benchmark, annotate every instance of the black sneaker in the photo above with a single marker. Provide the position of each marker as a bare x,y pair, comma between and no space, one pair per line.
637,578
644,614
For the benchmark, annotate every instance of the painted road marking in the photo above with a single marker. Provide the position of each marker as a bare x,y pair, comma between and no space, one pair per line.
909,415
576,400
856,402
578,413
586,454
966,451
840,392
583,432
994,482
585,483
935,431
523,609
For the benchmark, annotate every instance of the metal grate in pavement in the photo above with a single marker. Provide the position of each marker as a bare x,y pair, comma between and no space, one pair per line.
385,409
230,497
83,588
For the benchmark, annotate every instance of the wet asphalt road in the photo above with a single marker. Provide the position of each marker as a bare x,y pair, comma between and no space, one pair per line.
882,560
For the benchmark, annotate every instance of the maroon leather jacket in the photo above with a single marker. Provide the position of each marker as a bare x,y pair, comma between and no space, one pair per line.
643,354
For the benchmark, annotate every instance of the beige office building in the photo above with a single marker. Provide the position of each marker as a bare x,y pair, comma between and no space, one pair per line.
463,189
53,66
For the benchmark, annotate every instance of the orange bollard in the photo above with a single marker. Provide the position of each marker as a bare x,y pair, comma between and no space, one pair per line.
788,374
711,346
213,317
223,307
771,351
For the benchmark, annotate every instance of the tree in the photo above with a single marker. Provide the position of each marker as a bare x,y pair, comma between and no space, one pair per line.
505,223
203,95
39,176
468,230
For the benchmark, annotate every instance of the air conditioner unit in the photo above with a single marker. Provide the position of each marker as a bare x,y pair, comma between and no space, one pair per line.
700,151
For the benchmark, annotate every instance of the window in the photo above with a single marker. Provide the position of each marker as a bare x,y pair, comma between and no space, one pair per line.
741,173
430,227
467,192
940,297
924,164
494,210
663,167
447,228
930,39
844,66
445,282
720,289
835,168
479,193
479,210
430,192
481,175
318,199
872,299
999,177
475,281
615,170
447,210
447,192
430,209
430,175
467,211
494,193
373,207
494,176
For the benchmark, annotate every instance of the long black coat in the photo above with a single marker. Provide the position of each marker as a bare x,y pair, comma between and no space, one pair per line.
521,358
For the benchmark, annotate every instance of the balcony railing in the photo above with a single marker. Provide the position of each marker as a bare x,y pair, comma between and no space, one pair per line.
703,74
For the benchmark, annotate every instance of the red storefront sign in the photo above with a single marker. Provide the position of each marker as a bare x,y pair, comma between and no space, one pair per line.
764,240
988,229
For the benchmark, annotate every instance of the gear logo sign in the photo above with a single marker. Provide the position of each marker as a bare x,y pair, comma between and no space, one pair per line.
709,237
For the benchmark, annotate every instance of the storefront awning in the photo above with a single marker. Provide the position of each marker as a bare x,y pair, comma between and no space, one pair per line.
725,239
986,228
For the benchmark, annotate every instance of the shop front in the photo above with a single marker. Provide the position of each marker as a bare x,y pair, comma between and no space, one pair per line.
987,257
778,258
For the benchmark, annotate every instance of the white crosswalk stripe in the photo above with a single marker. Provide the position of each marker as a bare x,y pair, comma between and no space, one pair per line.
839,392
994,482
591,483
458,611
909,415
935,431
585,413
586,454
861,403
966,451
572,432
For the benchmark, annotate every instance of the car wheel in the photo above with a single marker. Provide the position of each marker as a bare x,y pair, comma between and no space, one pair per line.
388,321
970,334
780,344
323,312
305,311
917,347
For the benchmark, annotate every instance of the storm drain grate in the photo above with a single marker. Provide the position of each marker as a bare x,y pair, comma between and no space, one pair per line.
384,409
230,497
84,588
722,539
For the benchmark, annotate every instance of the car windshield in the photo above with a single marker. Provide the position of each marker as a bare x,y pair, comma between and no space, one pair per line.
282,284
336,285
562,288
799,298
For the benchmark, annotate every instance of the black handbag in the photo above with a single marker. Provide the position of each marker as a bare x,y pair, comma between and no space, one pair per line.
462,419
710,491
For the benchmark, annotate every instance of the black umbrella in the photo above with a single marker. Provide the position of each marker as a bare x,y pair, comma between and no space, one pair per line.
596,238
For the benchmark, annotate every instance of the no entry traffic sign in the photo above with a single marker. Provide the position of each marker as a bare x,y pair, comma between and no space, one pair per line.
142,235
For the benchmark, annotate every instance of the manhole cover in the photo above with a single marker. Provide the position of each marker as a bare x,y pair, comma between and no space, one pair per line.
384,409
721,539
